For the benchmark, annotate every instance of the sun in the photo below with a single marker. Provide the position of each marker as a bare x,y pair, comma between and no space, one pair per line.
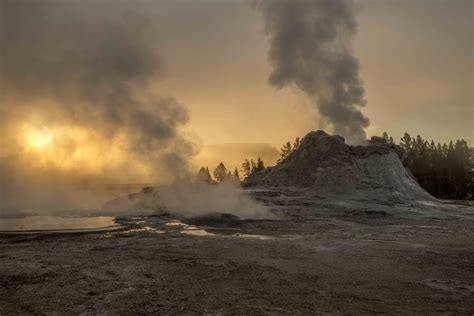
39,138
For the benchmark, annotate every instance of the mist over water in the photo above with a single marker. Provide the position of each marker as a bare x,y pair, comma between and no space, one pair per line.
194,198
64,199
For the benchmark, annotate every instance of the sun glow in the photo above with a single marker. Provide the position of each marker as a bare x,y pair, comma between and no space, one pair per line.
79,152
39,138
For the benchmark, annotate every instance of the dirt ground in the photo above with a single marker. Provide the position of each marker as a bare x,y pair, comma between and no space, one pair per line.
354,263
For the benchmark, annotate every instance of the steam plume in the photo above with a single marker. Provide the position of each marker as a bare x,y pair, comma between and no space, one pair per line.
310,47
88,65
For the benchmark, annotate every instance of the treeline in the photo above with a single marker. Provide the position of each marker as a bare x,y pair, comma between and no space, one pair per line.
444,170
249,167
287,149
221,173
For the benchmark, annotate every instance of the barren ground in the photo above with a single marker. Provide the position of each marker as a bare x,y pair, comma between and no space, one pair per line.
353,263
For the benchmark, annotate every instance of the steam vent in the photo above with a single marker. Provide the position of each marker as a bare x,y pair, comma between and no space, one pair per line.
326,164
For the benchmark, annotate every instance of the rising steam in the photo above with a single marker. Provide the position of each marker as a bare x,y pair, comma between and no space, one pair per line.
89,64
83,70
310,48
78,101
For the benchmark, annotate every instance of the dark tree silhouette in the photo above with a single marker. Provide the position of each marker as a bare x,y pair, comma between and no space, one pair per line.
287,149
220,173
204,175
260,165
246,168
446,171
236,174
253,166
249,167
296,143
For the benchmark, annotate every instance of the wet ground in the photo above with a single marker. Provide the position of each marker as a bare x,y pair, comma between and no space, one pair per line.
56,223
353,263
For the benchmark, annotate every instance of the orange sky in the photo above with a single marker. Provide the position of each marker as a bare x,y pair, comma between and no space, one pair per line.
416,60
416,63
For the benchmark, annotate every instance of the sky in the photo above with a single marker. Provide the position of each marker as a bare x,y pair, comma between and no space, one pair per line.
416,56
91,91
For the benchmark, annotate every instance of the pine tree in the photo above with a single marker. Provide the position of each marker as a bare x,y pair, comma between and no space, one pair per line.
246,168
296,144
463,169
220,173
432,172
204,175
260,165
236,174
285,151
253,166
406,144
446,171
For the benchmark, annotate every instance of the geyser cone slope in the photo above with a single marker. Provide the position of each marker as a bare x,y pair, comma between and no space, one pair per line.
325,163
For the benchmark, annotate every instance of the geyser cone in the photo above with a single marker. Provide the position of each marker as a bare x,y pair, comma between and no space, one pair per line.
326,164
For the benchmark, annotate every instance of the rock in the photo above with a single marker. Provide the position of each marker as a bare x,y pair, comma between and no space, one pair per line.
214,219
326,164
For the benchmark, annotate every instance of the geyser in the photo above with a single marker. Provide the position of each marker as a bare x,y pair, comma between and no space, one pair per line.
325,165
310,47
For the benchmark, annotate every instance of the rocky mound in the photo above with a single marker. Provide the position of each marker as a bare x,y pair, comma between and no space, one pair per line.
327,164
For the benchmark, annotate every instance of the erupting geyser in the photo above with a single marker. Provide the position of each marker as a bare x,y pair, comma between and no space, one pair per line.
311,49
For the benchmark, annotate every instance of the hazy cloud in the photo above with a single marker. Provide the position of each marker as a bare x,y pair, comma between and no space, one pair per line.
83,67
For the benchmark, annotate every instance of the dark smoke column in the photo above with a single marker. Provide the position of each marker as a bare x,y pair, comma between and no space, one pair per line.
310,47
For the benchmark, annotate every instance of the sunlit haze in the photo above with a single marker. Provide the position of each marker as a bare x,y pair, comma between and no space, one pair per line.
236,157
211,73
